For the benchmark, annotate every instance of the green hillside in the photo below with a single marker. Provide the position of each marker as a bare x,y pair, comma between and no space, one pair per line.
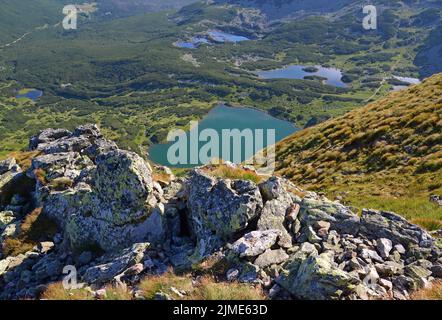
387,155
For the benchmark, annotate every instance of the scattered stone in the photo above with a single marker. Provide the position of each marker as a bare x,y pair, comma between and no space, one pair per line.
271,257
84,258
45,247
232,274
370,255
100,294
436,271
312,236
400,248
388,285
104,199
384,247
255,243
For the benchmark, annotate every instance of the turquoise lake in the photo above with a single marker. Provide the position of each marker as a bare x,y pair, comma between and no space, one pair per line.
333,75
223,117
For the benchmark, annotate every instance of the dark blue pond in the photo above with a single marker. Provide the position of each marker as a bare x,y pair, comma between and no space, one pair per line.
31,94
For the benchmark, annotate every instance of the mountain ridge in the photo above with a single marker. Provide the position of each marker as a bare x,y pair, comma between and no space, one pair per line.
391,147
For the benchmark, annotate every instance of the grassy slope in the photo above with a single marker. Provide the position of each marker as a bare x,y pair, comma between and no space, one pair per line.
19,17
387,155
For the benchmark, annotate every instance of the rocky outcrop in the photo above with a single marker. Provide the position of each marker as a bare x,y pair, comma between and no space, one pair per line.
100,196
218,209
117,224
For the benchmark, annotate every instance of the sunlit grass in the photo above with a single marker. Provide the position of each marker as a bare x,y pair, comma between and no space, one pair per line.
433,293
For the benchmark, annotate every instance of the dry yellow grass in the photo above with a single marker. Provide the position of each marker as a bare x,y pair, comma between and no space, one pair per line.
56,291
205,288
24,158
387,155
433,293
34,227
225,172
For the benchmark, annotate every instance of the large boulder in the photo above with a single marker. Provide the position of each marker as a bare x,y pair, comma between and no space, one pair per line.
255,243
219,208
112,265
277,203
380,224
86,139
317,277
99,195
9,170
116,209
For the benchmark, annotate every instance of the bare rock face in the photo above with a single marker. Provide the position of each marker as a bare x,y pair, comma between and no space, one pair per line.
100,196
278,201
8,171
394,227
318,277
218,209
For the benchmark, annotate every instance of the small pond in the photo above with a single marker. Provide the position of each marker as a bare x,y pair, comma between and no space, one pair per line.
32,94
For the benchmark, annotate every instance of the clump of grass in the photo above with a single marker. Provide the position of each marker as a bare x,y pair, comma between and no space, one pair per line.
24,159
35,227
117,293
56,291
61,184
40,175
226,172
214,266
428,223
433,293
208,289
152,285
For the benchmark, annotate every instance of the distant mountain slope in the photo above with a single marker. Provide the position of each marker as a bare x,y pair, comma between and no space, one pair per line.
130,7
277,9
390,150
281,8
19,17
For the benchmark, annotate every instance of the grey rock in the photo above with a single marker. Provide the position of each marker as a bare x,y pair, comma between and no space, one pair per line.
384,247
115,264
437,271
255,243
270,257
379,224
367,254
218,209
273,217
6,218
232,274
389,269
317,278
47,136
7,165
400,248
114,209
45,247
